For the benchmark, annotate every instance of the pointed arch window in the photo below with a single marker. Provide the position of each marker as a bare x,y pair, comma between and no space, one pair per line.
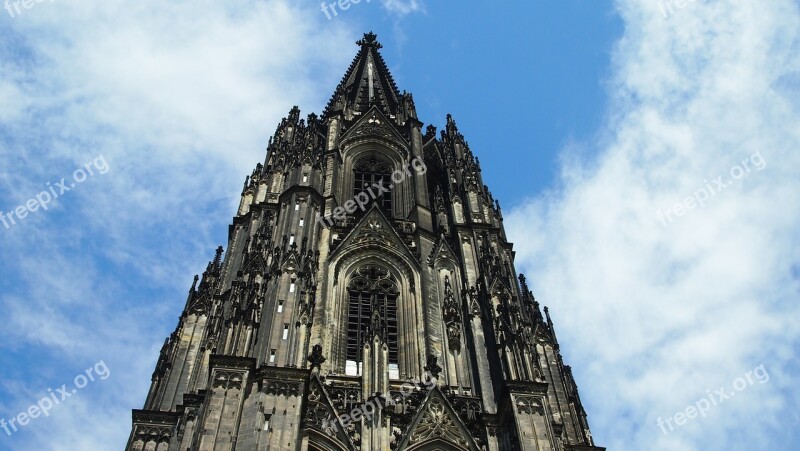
371,289
369,172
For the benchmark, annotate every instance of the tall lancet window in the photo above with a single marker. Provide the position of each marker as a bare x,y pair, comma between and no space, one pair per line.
371,289
370,173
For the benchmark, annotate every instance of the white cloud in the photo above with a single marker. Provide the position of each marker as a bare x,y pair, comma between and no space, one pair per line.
180,98
653,315
404,7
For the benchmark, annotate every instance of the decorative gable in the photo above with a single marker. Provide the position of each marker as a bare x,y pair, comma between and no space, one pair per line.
374,124
374,230
442,251
321,414
437,421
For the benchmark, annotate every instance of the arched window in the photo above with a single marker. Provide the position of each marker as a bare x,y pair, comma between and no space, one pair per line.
369,172
371,288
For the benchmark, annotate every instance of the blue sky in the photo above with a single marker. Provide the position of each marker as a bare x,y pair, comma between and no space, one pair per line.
529,76
593,120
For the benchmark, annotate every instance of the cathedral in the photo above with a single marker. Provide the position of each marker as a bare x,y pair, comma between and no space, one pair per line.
366,300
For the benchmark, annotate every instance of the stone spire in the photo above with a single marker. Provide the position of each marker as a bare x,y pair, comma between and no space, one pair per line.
367,82
401,326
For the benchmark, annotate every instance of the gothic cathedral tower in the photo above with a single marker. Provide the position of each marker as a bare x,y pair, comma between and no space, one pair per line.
367,300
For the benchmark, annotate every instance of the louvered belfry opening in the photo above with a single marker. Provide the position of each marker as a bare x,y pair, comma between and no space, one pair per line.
371,287
369,172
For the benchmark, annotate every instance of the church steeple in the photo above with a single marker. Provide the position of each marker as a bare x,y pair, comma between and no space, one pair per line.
397,325
367,82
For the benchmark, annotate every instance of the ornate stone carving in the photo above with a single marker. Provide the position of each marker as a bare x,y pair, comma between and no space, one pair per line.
437,423
432,367
278,258
280,388
316,358
529,405
228,379
155,434
451,313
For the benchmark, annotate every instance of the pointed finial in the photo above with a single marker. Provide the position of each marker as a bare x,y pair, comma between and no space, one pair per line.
218,257
370,40
430,132
432,366
316,358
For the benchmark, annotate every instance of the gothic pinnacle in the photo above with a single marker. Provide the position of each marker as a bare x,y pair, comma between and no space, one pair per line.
218,258
370,40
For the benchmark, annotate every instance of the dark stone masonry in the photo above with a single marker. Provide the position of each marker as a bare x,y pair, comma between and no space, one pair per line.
397,322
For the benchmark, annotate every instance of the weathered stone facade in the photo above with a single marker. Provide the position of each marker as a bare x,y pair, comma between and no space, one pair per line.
398,324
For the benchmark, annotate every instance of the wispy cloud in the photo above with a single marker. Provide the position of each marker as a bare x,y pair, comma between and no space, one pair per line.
404,7
654,316
180,98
